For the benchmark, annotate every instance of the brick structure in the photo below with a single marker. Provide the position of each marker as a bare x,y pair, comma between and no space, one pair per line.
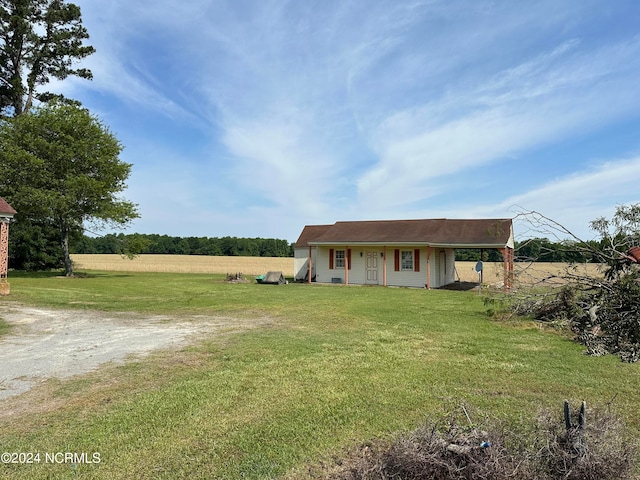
6,214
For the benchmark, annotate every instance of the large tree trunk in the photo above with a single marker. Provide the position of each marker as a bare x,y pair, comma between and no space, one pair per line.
64,237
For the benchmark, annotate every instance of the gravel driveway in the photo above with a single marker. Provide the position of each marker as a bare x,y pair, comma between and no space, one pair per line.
61,343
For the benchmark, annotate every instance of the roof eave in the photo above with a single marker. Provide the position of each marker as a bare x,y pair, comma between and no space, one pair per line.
406,244
468,245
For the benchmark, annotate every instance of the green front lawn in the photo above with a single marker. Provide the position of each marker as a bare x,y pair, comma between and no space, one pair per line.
336,367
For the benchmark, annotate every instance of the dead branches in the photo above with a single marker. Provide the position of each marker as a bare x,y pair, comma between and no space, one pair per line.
602,310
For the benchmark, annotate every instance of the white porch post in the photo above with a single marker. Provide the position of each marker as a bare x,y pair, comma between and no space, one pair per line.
384,266
346,265
428,268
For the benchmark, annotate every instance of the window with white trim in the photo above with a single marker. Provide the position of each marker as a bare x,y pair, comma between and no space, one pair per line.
339,263
406,264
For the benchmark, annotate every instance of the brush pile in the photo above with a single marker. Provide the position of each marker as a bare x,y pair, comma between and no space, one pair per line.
572,449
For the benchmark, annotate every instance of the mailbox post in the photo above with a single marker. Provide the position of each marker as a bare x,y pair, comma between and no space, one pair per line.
478,268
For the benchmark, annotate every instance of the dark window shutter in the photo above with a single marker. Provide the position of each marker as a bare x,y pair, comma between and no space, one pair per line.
396,260
416,260
349,257
331,259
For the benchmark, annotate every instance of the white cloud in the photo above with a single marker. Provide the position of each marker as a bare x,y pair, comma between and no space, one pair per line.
573,200
278,160
504,115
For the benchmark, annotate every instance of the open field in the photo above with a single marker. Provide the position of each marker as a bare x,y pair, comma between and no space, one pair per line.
525,273
325,368
185,264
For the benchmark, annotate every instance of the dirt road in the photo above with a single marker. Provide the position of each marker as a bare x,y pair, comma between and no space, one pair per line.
61,343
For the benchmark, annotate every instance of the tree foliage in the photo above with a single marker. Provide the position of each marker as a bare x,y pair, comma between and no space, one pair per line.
34,245
60,168
617,236
40,40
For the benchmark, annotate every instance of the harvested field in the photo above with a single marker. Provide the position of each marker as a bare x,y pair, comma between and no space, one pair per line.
525,273
184,264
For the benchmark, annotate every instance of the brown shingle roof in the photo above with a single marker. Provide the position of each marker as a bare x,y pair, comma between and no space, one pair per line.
437,232
5,208
311,233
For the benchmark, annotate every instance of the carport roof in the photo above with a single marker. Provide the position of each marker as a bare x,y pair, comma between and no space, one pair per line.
311,233
439,232
6,210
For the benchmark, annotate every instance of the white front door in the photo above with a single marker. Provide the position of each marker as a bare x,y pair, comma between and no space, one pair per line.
371,267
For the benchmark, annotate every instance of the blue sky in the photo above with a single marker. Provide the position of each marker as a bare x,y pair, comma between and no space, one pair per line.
255,117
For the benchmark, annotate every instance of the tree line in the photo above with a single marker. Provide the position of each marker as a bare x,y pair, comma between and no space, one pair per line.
539,250
169,245
535,249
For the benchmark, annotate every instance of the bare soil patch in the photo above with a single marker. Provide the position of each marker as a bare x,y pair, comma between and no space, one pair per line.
47,343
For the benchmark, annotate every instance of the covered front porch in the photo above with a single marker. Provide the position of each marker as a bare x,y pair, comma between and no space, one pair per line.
416,266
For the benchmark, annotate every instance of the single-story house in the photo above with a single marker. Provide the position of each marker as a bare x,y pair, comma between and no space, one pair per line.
409,253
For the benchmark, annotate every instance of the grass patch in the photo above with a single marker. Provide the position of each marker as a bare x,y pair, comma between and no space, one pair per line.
4,327
341,365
